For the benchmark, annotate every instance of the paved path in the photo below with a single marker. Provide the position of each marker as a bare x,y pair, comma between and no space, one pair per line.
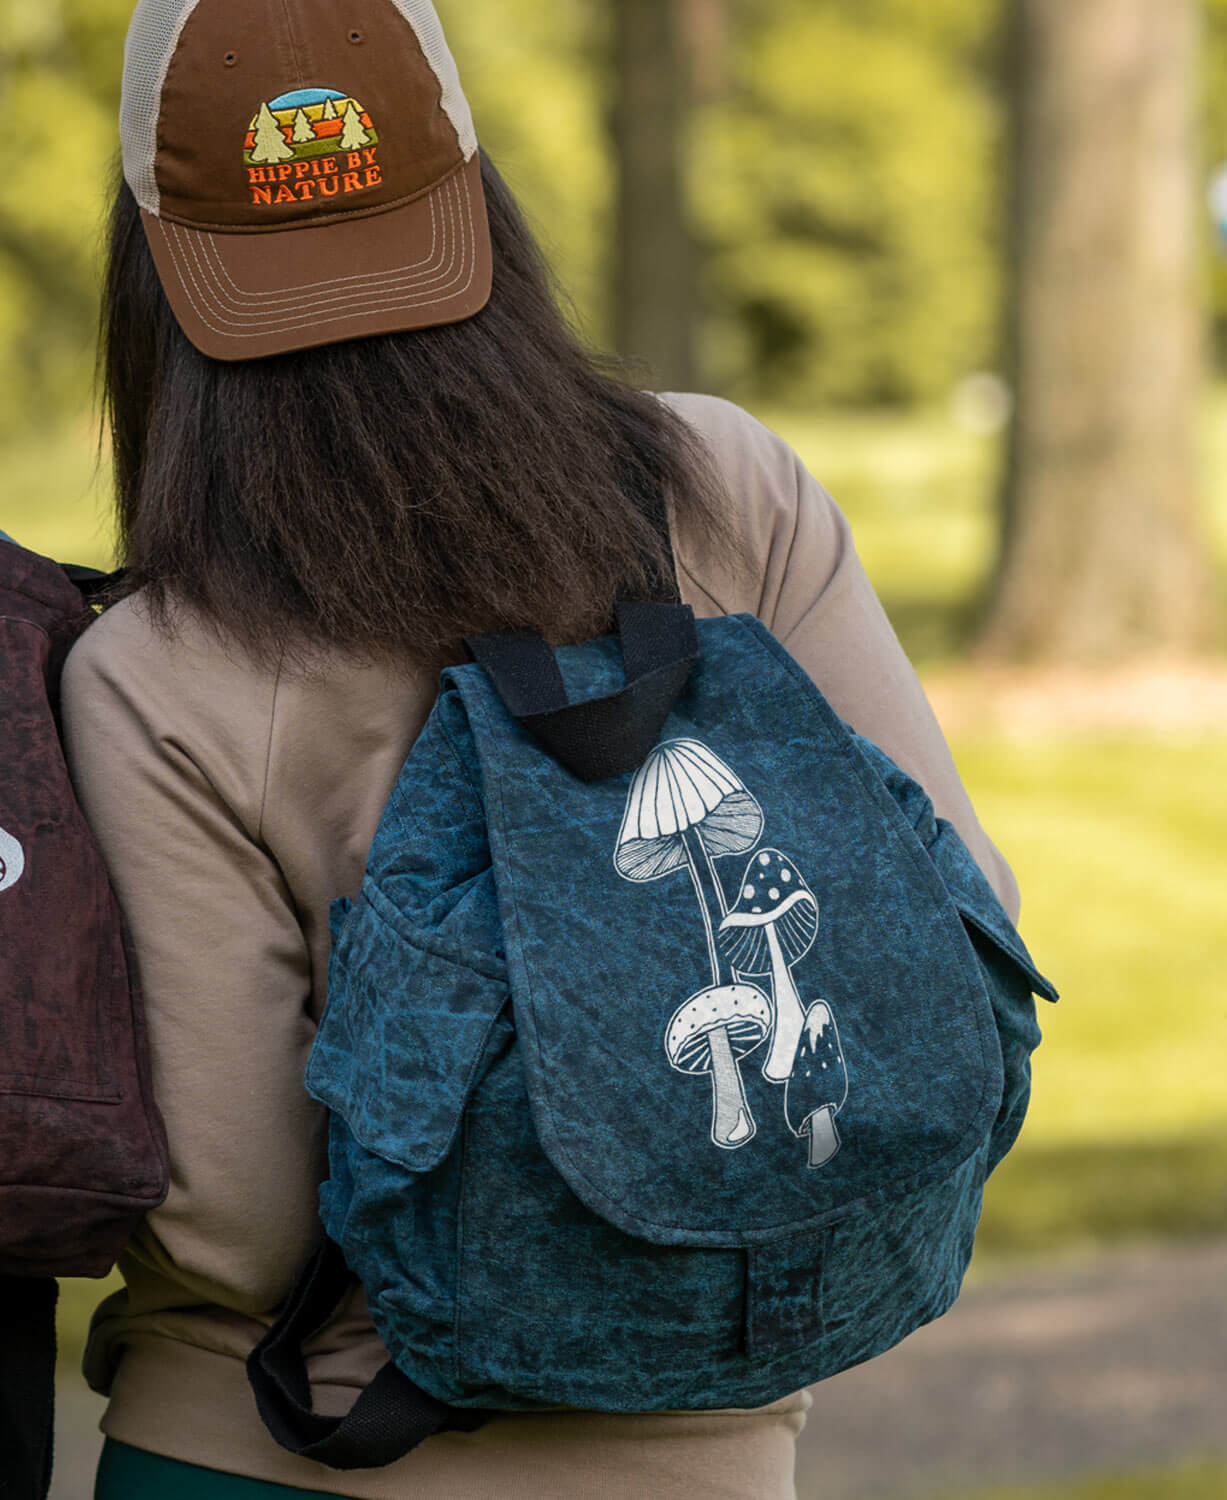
1115,1362
1101,1364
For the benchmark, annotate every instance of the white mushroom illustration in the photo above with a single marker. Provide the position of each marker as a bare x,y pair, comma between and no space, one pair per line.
818,1086
707,1035
685,809
772,926
12,860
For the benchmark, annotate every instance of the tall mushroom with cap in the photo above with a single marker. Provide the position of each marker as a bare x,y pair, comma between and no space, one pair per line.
686,809
818,1086
773,925
709,1034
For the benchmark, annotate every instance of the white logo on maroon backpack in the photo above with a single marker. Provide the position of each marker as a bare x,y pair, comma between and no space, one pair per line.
12,860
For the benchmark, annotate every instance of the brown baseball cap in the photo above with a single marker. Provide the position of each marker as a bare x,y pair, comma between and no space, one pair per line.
307,170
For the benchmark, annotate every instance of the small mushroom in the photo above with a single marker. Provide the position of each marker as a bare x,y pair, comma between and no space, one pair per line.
818,1086
708,1034
773,925
684,809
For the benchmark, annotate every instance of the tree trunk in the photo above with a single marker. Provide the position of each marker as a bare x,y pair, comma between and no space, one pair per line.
654,271
1101,549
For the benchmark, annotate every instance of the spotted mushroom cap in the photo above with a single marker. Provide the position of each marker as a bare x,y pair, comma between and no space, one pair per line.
772,890
681,785
742,1009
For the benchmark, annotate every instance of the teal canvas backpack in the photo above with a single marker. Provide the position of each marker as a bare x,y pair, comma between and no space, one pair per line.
667,1049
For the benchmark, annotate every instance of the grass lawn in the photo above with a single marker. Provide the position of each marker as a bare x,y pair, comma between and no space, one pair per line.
1196,1481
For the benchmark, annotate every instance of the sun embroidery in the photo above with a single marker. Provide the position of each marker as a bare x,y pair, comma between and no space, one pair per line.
310,144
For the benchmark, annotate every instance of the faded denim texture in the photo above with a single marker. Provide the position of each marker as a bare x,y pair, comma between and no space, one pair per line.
557,1162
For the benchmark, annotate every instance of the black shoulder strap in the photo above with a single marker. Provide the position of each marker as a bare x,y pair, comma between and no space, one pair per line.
92,583
27,1385
390,1417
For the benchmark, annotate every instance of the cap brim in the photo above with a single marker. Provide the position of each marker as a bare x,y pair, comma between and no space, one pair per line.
245,296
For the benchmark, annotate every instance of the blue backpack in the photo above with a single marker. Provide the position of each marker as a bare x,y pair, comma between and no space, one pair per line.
667,1049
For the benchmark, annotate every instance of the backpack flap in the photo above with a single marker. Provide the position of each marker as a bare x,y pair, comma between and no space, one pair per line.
747,1004
418,981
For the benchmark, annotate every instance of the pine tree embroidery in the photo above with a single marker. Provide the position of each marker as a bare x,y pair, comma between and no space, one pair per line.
303,131
270,143
354,132
330,110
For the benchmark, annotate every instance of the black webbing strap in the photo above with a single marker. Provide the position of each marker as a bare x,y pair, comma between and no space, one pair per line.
27,1385
389,1419
604,736
92,583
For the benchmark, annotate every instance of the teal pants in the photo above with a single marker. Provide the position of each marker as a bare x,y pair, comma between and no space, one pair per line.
132,1474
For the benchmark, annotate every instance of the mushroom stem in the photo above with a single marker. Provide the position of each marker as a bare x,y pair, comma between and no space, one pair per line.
700,864
732,1124
789,1016
823,1136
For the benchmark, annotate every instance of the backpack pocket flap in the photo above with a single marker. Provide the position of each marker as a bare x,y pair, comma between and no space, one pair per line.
979,907
413,1018
746,1002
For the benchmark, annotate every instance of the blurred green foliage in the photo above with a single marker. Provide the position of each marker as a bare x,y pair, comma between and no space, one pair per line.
843,179
846,170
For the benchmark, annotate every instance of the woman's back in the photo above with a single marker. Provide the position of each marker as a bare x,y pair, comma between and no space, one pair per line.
234,801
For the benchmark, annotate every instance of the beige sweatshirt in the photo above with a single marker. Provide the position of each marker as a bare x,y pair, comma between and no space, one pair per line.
233,805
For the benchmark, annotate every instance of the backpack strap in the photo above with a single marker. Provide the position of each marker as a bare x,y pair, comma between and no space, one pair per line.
90,581
602,737
390,1417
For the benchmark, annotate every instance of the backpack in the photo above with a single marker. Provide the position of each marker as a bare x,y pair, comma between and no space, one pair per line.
667,1047
82,1148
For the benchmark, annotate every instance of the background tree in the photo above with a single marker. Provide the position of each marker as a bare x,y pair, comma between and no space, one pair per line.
303,131
1102,551
653,281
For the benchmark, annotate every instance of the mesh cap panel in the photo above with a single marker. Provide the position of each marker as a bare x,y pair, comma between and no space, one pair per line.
152,39
422,17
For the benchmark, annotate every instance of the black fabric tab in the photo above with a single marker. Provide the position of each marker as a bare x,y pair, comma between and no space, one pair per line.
604,736
523,668
784,1294
389,1419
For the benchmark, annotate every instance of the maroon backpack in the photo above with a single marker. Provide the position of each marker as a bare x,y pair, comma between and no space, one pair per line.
82,1146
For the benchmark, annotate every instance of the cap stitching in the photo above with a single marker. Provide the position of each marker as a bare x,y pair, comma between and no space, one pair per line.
372,306
426,273
271,321
290,37
306,288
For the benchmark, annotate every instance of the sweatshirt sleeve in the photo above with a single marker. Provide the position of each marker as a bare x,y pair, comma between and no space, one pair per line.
222,958
803,579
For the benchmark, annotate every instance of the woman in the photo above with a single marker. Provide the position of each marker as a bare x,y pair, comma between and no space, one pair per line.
346,435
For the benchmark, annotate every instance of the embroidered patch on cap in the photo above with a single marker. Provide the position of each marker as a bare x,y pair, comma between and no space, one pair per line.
308,145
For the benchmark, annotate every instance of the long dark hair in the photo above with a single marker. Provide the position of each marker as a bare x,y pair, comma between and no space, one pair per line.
390,494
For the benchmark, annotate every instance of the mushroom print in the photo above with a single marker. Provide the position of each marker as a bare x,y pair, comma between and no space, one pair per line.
818,1086
709,1034
773,925
12,860
685,809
